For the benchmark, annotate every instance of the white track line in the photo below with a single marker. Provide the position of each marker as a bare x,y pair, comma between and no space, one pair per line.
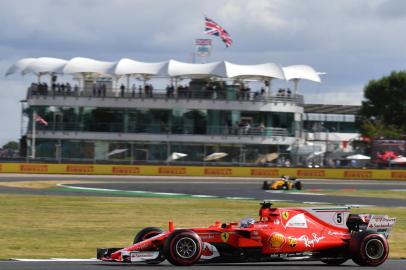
56,260
294,193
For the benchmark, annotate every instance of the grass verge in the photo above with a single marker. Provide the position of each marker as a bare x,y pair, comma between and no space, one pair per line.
74,226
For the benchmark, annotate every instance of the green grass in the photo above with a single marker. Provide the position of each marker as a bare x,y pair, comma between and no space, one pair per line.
74,226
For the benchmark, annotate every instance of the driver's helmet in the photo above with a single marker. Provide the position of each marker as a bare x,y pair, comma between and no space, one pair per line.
246,222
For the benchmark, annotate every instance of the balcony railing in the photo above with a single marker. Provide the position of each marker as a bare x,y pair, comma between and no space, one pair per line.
254,130
220,94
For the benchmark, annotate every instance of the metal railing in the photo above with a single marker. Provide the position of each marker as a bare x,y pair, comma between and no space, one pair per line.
219,94
254,130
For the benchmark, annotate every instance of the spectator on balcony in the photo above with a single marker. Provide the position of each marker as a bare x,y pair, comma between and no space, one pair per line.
188,91
53,88
139,91
68,88
262,128
236,128
289,93
63,87
99,90
133,89
76,89
94,89
151,90
103,89
262,92
122,90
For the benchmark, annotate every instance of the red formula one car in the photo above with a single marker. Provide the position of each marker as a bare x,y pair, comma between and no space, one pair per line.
331,235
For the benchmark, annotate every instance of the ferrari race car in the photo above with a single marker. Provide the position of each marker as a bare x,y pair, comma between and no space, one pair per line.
331,235
283,183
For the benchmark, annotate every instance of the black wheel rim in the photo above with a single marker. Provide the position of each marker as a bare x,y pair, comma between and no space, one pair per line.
374,249
185,247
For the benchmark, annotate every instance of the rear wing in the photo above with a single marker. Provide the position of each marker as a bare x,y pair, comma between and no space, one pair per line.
381,224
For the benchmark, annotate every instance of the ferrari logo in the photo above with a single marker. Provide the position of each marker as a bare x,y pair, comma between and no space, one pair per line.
225,236
292,241
285,215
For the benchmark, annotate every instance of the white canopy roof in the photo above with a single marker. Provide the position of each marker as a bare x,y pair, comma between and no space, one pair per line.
262,71
88,65
20,65
171,68
127,66
181,69
301,72
45,65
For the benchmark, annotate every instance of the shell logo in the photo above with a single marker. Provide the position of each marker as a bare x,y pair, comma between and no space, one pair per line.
276,240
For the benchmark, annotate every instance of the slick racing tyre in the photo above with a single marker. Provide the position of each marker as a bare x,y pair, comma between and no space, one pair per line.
183,248
298,185
369,249
146,233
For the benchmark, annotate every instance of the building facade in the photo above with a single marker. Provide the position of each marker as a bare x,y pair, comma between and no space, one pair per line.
114,112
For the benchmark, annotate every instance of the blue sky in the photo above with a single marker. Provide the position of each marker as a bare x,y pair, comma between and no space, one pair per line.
354,41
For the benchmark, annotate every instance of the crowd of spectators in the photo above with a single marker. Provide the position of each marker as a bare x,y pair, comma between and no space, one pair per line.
55,89
210,90
284,93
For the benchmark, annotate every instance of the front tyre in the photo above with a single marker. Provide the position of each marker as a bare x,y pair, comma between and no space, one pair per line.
183,248
369,249
145,234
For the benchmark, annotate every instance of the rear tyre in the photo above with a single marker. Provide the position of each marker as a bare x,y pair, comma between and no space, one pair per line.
369,249
183,248
145,234
298,185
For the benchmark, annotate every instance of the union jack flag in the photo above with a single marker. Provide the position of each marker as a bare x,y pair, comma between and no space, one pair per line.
212,28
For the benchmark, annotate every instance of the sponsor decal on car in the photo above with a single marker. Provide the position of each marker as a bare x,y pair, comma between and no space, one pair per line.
285,215
297,221
292,241
333,233
381,224
209,252
311,241
225,236
208,236
139,256
276,240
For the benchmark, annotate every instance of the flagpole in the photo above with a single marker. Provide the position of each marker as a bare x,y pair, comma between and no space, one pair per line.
34,128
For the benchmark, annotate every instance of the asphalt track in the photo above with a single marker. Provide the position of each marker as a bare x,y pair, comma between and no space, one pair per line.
220,187
252,190
59,265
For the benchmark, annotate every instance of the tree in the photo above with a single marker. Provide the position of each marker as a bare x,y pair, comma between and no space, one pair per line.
11,145
383,113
